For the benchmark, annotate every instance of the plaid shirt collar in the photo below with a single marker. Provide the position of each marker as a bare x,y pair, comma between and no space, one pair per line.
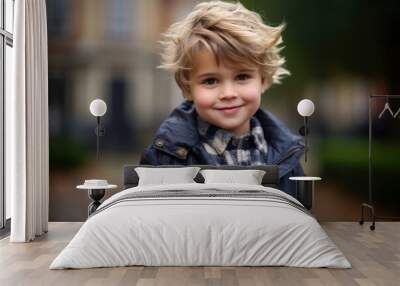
220,138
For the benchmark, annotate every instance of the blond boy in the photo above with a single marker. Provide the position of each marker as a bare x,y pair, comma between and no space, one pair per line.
224,57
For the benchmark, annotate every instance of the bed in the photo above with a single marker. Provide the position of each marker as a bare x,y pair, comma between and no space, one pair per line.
201,223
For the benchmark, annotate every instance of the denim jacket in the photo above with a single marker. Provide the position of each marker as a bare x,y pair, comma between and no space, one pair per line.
177,142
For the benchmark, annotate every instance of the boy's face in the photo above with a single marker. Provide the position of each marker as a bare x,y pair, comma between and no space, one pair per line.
226,97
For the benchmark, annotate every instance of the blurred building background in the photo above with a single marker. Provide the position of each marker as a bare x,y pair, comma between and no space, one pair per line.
338,52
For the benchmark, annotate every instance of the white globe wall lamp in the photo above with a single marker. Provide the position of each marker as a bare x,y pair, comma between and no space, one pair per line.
98,108
305,108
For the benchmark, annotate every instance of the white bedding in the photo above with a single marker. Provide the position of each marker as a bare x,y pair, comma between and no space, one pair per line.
181,231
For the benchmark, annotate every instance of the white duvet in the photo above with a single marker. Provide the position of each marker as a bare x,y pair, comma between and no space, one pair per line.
182,231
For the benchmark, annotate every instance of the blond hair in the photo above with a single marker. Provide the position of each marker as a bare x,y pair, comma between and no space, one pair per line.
231,32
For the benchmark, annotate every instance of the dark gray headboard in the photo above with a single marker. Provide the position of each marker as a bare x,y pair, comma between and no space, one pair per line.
271,177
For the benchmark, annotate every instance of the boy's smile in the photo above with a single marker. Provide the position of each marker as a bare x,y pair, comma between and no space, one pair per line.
225,96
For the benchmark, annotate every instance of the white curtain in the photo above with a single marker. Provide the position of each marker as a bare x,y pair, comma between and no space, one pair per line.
27,146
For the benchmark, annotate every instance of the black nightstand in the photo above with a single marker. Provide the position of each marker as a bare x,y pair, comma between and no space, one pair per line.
305,190
96,191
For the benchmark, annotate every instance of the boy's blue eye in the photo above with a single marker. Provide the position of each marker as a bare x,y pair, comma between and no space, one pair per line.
243,76
209,81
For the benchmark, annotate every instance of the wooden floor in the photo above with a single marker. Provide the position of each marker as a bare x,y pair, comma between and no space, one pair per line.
374,255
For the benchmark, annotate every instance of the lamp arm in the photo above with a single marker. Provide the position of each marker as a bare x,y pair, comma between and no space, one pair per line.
97,131
305,137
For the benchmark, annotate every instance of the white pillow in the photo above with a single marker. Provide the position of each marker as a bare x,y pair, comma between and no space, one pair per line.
249,177
162,176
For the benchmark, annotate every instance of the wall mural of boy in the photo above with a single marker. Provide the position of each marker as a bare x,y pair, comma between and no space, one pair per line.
224,57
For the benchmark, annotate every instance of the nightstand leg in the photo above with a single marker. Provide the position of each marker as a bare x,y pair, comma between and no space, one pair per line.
95,195
93,207
305,193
